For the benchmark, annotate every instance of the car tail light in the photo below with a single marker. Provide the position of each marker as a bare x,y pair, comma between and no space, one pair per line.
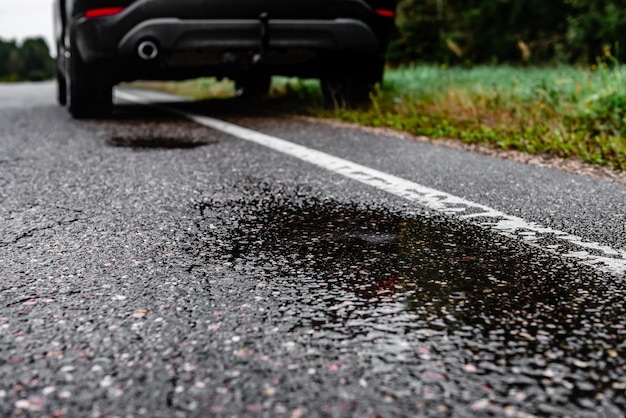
102,12
385,13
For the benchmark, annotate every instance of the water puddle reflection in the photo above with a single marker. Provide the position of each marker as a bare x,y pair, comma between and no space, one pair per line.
472,320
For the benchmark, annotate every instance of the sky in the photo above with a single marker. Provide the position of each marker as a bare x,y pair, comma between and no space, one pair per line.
21,19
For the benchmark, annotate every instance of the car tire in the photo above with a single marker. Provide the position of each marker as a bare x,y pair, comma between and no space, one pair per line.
352,89
344,92
256,85
89,90
61,88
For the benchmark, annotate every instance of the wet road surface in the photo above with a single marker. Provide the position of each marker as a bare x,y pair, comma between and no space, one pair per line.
152,267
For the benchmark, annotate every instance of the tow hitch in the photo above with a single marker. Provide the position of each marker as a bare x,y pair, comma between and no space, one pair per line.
264,41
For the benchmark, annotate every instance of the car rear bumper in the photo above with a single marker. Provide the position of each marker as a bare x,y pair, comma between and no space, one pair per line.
176,35
219,24
222,38
172,35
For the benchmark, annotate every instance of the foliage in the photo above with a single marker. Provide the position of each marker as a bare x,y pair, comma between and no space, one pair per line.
508,31
9,60
29,61
564,111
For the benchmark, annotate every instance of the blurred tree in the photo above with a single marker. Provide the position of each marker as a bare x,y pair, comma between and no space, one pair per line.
596,28
8,60
486,31
417,34
29,61
35,61
496,30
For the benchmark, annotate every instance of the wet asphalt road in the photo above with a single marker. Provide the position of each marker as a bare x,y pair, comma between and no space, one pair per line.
153,267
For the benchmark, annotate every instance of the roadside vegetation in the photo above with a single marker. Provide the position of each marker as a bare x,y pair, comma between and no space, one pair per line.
26,61
564,111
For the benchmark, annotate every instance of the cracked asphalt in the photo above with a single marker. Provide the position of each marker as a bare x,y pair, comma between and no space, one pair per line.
153,267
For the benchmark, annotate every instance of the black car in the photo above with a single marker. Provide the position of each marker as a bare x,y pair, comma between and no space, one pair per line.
104,42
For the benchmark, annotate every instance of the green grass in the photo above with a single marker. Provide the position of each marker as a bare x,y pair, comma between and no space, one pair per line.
562,111
565,111
200,89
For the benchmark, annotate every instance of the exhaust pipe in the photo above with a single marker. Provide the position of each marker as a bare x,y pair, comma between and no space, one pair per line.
147,50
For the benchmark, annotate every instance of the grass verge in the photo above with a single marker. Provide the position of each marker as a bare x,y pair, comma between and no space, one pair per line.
561,111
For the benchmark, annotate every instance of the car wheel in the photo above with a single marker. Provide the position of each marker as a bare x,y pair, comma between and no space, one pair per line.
89,90
354,88
346,91
61,88
253,85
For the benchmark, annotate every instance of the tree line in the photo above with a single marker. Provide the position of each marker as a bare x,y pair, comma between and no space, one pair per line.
509,31
28,61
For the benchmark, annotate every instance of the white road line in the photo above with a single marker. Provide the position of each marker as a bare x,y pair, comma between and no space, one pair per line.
601,257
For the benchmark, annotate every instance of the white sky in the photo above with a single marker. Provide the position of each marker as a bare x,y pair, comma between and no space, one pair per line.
21,19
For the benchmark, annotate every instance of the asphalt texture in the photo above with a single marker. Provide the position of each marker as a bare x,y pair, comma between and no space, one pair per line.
153,267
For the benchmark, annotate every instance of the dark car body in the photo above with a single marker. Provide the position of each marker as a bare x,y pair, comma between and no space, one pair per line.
104,42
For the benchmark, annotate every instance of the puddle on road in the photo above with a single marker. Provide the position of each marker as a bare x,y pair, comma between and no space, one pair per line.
468,315
155,141
140,132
